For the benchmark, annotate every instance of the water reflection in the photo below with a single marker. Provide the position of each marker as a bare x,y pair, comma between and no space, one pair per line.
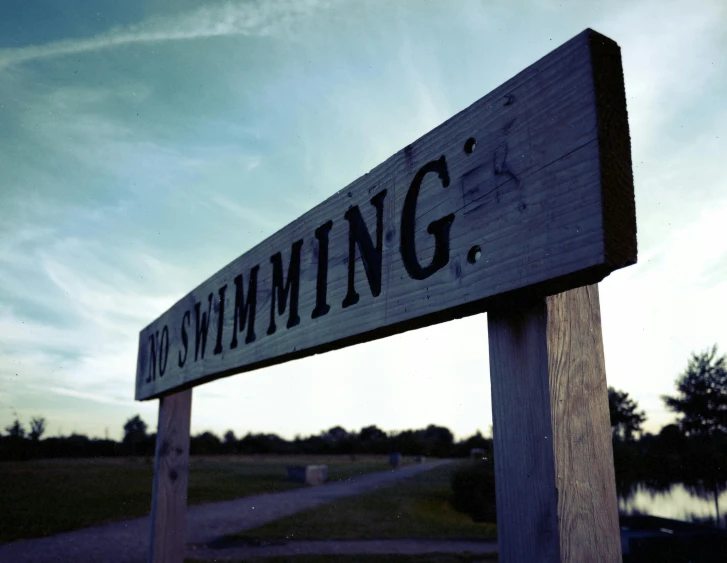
675,503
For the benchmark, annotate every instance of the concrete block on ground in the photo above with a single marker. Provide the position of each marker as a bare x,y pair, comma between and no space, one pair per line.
308,474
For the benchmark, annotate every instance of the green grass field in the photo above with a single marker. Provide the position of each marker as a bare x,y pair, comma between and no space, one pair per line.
416,508
43,497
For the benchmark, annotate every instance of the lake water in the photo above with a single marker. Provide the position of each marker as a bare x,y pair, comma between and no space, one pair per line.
676,503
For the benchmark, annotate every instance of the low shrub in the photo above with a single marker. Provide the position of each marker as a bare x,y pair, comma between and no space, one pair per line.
473,486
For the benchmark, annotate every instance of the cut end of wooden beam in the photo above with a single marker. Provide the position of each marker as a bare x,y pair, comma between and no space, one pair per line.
617,182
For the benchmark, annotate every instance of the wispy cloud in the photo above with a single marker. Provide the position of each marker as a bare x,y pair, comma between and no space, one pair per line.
669,50
268,222
89,305
103,398
229,19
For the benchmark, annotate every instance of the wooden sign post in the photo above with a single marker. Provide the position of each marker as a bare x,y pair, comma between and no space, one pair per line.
518,205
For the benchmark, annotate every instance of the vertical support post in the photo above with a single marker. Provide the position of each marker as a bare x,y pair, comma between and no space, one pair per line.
171,472
555,483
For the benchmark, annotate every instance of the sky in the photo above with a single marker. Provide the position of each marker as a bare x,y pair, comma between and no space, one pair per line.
145,145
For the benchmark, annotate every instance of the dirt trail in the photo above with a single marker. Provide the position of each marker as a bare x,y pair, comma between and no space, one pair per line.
344,547
128,541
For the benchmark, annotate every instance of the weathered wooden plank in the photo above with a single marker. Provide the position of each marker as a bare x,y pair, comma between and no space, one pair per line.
526,498
171,472
555,484
585,480
544,201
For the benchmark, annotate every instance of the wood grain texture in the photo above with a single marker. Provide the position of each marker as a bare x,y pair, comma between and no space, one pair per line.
556,491
171,475
546,195
585,480
526,495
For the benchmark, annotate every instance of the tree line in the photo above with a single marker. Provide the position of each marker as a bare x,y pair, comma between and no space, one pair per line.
692,451
435,441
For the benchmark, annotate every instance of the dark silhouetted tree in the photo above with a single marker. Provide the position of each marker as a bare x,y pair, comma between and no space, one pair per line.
408,442
701,407
335,434
701,400
626,421
262,444
373,440
134,433
15,445
206,443
229,442
438,440
477,440
37,428
15,430
663,463
371,433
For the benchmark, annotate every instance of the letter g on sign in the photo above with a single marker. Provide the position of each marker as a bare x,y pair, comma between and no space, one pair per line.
439,228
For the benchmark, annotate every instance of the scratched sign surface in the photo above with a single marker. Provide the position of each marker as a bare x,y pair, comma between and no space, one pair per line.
528,189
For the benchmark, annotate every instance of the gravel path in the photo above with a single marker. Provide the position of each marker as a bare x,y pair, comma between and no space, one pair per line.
128,541
344,547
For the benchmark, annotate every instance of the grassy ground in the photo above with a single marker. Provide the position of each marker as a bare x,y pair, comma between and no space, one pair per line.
44,497
429,558
416,508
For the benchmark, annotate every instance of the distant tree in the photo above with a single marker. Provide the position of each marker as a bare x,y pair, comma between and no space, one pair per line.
701,400
408,442
477,440
337,440
438,440
15,430
37,428
371,433
335,434
660,463
701,405
262,444
206,443
626,421
373,440
134,433
15,445
229,442
439,434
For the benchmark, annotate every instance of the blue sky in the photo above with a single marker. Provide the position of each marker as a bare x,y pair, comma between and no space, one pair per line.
145,145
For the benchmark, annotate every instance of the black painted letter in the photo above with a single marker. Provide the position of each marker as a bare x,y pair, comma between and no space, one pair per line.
220,320
358,234
152,375
185,341
245,310
163,351
322,280
202,327
291,287
439,228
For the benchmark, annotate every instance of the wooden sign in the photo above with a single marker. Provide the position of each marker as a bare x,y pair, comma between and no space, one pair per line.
527,190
